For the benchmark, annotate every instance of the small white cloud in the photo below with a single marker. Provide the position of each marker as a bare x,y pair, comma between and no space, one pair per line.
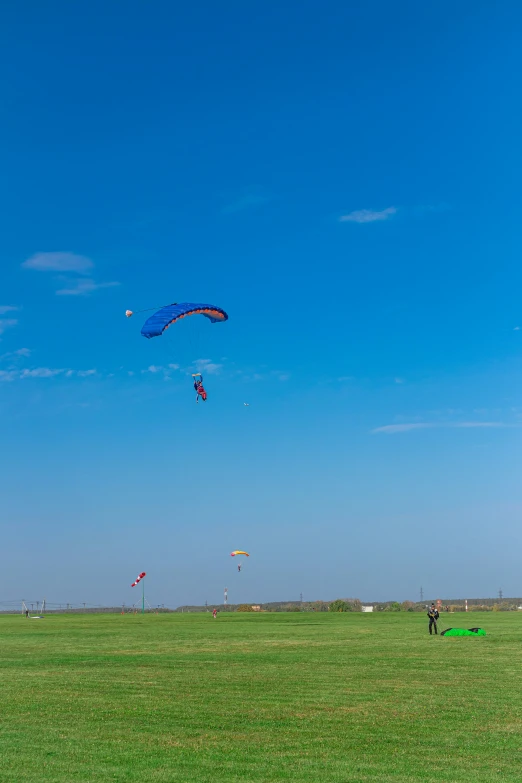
399,380
19,354
478,424
368,215
154,368
83,287
284,376
41,372
391,429
7,309
173,366
130,373
59,262
207,366
64,262
7,323
516,329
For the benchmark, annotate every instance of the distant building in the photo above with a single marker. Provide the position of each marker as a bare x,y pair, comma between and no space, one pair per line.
256,608
366,608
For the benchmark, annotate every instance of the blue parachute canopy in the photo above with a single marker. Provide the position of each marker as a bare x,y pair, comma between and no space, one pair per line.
157,323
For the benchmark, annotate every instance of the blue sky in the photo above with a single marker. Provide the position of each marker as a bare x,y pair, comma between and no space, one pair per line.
343,179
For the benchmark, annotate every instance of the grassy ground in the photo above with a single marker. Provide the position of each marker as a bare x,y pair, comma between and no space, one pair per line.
271,697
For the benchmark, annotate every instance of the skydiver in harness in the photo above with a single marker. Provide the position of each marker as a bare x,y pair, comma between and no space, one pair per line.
433,617
199,388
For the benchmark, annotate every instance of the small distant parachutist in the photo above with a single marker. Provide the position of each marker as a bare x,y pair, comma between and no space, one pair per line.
239,552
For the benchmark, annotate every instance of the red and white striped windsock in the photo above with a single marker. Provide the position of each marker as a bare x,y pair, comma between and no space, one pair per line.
140,577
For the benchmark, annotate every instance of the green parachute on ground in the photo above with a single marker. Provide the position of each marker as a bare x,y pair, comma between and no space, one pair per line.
463,632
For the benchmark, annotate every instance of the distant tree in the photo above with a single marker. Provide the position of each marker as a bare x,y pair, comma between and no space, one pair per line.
244,608
339,606
393,606
407,606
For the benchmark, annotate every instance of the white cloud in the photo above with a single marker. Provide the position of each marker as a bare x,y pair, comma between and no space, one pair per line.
7,323
399,380
479,424
207,366
63,262
7,309
59,262
391,429
20,353
83,287
368,215
516,329
40,372
160,370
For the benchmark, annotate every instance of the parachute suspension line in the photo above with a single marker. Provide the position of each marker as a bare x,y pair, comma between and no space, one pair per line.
130,313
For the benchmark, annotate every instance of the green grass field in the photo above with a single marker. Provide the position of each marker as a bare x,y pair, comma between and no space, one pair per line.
270,697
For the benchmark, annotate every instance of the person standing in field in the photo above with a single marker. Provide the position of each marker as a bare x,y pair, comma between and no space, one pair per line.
434,616
214,613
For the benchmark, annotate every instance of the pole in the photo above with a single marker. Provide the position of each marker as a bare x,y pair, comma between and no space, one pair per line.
142,597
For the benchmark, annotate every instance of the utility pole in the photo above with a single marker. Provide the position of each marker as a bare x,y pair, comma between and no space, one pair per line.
225,598
421,595
206,606
500,594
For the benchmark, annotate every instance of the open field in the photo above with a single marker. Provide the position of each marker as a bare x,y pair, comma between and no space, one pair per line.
271,697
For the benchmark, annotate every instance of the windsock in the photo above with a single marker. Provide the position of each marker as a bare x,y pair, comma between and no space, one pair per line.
138,580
